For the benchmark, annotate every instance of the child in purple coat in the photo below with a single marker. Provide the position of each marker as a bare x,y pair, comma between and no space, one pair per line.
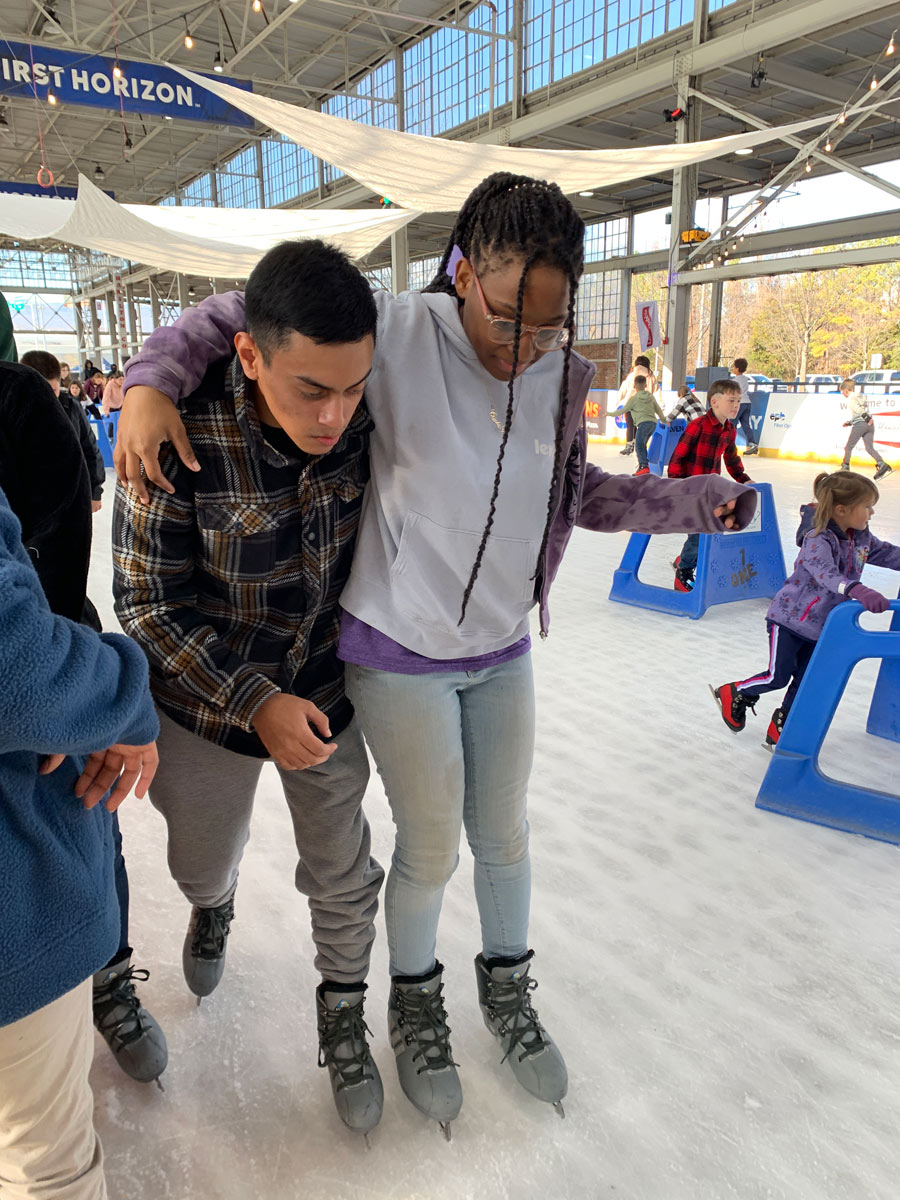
835,545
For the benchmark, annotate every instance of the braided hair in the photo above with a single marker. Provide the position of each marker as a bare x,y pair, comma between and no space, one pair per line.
506,219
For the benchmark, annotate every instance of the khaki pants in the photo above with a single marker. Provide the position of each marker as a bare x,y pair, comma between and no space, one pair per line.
48,1146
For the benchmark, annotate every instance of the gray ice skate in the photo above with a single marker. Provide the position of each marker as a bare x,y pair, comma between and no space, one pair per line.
136,1040
203,957
343,1049
504,987
420,1038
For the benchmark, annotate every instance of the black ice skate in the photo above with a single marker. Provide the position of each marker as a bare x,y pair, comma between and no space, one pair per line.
203,957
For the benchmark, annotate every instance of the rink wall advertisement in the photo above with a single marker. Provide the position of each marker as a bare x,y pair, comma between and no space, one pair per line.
785,424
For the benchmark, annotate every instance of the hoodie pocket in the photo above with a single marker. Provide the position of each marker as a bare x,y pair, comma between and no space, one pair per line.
809,608
432,568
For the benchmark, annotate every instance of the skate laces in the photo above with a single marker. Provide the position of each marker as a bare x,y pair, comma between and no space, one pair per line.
509,1003
344,1028
119,993
744,702
211,930
425,1014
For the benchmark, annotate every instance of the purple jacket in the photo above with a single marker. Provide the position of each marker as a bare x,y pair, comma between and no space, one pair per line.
828,564
175,358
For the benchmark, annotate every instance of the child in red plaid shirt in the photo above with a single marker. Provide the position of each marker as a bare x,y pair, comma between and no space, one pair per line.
700,451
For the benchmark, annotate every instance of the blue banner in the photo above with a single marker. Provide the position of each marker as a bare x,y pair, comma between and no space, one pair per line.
90,79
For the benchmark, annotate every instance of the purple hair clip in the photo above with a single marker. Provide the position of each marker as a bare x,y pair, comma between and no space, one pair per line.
456,257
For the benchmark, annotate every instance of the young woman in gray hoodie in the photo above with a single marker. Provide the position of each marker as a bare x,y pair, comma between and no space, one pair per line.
475,383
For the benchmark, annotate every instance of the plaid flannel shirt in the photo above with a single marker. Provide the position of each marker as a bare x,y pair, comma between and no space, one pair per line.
690,407
702,447
231,585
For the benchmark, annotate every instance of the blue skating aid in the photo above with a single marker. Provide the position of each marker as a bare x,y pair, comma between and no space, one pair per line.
106,447
793,784
884,711
662,445
731,566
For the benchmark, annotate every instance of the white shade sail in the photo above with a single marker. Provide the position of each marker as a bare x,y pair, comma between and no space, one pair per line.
437,174
217,242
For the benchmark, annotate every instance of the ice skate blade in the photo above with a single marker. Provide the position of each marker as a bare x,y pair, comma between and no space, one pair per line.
561,1112
199,998
366,1140
445,1126
158,1083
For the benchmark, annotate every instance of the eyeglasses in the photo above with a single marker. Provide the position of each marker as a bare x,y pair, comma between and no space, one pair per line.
503,331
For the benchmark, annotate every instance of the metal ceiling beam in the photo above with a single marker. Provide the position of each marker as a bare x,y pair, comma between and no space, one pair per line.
832,160
621,83
851,256
808,83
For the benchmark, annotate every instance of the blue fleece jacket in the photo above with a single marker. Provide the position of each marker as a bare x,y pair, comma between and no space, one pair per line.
66,690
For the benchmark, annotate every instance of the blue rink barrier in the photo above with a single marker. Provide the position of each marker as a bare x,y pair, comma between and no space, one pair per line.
730,566
107,444
662,444
793,784
884,711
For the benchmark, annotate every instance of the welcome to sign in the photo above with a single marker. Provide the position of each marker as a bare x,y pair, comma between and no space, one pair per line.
90,79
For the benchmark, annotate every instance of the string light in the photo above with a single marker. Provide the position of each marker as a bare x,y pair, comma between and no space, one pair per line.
188,40
117,72
51,99
828,146
808,167
891,47
874,84
257,5
217,64
842,118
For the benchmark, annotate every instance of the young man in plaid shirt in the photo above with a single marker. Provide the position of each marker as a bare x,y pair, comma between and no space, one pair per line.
700,450
229,580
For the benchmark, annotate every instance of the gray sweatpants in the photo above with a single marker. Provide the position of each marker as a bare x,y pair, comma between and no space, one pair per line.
206,795
864,432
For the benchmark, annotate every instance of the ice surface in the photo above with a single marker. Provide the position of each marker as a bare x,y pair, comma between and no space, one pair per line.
724,983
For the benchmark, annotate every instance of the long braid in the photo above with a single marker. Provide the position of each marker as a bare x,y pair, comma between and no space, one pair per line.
509,219
560,422
507,426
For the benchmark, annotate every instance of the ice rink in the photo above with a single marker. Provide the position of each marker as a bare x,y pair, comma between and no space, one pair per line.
723,982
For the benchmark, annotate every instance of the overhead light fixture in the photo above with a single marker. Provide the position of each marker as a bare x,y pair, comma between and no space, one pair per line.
257,5
4,124
758,72
117,72
166,117
808,167
51,99
744,150
585,193
99,174
191,291
675,114
842,118
188,40
874,84
217,64
891,46
828,146
129,144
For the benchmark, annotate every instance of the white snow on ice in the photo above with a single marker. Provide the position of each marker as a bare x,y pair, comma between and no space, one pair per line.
723,982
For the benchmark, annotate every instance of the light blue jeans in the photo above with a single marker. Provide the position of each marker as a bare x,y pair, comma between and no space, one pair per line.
453,749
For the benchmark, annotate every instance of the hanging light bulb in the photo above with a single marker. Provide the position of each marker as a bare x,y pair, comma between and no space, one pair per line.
188,40
257,5
99,174
117,72
828,146
808,167
842,118
891,47
217,64
874,84
51,99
